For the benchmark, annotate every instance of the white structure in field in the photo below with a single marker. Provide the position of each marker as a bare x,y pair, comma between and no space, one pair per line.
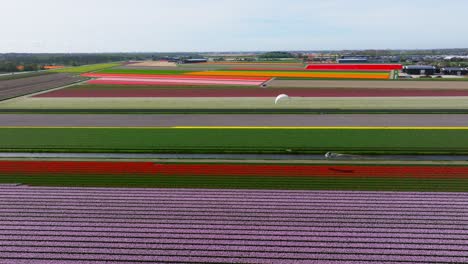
281,97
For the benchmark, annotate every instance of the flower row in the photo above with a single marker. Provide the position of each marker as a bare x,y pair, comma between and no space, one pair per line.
149,168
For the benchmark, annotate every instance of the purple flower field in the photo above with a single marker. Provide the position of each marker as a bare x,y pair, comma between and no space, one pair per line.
120,225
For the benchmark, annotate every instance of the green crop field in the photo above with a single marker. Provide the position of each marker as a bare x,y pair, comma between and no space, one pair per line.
246,182
234,140
235,105
87,68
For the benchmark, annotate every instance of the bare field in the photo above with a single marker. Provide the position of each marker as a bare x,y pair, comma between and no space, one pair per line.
369,84
242,120
24,86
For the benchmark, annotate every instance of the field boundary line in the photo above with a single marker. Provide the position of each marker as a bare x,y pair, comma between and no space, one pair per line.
238,127
319,127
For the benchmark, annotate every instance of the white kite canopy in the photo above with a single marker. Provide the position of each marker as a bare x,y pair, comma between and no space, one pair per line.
281,97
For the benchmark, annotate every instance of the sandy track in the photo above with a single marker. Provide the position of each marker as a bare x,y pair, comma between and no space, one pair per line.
364,120
370,84
18,87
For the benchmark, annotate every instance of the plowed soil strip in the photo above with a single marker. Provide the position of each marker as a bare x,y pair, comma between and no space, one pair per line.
243,120
116,234
23,86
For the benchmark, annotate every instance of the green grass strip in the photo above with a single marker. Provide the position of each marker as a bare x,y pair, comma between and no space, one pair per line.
229,140
246,182
87,68
233,111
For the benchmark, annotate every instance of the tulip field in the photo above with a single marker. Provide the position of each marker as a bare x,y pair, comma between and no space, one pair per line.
298,74
249,87
144,79
173,88
43,224
234,176
231,87
362,67
233,163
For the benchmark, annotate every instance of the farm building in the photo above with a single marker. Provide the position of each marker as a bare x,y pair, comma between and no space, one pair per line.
194,60
455,71
420,69
353,59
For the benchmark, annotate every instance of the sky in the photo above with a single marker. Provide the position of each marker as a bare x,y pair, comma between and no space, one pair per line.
230,25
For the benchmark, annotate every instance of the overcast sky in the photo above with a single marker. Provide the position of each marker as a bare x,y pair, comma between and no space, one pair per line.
230,25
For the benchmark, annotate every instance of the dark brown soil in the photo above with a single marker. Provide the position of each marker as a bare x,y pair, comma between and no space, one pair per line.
24,86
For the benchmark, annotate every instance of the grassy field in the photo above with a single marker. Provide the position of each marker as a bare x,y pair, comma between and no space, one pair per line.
249,182
87,68
235,140
233,104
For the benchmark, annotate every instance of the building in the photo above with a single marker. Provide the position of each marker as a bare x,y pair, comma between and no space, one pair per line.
368,59
194,60
454,71
420,70
353,59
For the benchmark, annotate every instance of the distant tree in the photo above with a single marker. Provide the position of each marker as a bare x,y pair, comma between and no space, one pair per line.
277,55
31,67
8,66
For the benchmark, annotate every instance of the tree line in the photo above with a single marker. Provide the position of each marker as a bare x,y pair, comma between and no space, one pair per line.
12,62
